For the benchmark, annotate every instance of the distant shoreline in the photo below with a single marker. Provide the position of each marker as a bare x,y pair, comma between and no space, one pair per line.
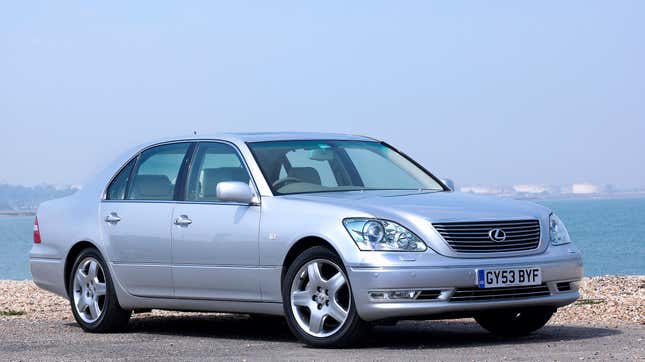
17,213
616,196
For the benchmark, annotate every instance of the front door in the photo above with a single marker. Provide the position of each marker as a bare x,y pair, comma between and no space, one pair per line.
137,216
215,244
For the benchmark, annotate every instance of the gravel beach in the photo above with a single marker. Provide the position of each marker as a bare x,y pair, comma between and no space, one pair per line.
608,300
608,322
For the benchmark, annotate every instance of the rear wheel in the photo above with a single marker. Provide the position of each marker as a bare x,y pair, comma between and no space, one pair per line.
514,323
92,296
318,300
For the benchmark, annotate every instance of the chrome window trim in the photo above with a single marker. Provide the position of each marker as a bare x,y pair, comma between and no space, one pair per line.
196,142
408,158
246,167
180,202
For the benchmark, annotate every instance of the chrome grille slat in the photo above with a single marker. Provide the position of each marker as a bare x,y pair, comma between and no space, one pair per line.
500,296
478,234
472,232
478,228
487,224
508,240
497,250
477,294
487,240
472,237
485,245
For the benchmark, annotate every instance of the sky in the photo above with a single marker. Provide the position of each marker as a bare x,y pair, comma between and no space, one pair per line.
504,92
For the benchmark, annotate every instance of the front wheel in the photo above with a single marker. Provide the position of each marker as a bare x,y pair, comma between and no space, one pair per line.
318,300
514,323
92,296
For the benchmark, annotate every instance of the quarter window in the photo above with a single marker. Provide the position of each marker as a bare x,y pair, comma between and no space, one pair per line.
116,190
157,172
214,163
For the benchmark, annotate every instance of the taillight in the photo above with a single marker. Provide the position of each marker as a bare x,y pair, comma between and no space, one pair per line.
36,232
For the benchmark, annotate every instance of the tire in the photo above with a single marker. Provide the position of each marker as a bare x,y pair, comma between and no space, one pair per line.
514,323
92,296
320,297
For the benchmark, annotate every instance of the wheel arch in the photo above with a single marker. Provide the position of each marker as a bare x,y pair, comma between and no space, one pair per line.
72,254
301,245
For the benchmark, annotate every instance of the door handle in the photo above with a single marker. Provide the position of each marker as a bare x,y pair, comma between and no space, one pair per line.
112,218
183,220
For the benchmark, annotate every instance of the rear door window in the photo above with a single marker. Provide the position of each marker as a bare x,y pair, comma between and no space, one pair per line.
157,172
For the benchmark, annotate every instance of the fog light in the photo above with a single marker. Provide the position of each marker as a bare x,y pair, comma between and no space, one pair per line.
385,295
378,295
403,294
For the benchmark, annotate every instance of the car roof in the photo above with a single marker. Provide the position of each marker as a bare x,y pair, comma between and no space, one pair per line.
271,136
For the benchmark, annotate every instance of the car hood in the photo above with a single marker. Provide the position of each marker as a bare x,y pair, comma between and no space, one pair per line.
433,206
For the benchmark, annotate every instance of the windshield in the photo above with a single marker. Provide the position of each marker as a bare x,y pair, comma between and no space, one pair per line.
292,167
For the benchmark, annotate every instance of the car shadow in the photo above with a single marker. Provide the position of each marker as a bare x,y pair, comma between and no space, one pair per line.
467,333
405,334
216,325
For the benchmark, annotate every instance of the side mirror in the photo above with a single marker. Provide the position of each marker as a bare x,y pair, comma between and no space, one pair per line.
450,183
233,191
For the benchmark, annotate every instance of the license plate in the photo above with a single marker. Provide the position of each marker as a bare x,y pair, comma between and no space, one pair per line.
512,277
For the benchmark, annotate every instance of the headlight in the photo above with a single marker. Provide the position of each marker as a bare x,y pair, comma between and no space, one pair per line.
557,231
374,234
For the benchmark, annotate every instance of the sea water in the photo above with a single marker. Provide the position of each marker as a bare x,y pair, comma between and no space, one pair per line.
610,233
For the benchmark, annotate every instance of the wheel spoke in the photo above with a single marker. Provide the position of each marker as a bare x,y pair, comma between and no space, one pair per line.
80,278
94,309
91,273
337,312
301,298
81,305
336,282
313,271
316,321
99,289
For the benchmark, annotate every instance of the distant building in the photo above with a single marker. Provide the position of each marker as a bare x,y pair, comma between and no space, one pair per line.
585,189
485,190
530,189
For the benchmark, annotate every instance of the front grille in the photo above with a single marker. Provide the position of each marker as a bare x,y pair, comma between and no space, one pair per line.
474,237
563,286
477,294
428,294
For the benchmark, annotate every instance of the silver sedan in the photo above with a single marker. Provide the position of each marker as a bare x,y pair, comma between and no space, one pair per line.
332,231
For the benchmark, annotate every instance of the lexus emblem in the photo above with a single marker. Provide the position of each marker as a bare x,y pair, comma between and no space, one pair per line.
497,235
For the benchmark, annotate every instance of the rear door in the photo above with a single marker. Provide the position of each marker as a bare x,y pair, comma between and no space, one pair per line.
215,244
137,216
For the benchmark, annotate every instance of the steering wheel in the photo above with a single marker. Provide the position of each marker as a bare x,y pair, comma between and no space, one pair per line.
285,181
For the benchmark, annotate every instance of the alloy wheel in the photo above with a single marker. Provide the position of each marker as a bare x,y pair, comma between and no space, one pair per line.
89,290
320,298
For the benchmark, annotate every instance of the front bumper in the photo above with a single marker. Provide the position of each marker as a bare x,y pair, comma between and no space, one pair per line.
453,274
